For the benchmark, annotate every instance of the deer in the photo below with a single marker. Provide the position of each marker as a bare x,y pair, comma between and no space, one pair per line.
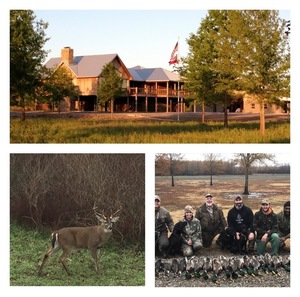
91,238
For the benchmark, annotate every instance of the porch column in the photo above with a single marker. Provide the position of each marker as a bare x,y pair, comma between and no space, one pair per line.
167,98
136,99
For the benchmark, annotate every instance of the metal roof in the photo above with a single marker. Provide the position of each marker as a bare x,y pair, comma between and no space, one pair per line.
153,74
91,66
85,66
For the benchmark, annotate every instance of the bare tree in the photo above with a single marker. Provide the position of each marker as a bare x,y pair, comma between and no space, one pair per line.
169,161
59,190
214,165
247,160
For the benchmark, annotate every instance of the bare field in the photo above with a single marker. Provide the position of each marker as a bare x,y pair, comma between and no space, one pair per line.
192,190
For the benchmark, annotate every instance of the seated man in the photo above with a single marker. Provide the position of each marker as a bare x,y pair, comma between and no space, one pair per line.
163,224
265,224
240,227
284,224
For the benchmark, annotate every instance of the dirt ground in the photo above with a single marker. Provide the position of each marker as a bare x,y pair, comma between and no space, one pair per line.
192,191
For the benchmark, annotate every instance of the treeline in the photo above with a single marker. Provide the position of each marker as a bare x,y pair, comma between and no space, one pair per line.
59,190
222,168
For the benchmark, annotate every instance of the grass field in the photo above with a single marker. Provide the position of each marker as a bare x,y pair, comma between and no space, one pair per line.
89,130
119,266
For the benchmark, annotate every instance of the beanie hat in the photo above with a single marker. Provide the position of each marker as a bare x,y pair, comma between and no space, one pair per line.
188,208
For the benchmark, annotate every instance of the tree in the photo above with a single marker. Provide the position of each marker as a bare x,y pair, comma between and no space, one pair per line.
169,162
27,39
240,50
59,85
247,161
253,43
213,164
207,84
110,85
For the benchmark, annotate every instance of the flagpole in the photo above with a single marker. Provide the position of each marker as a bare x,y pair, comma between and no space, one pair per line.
178,84
178,101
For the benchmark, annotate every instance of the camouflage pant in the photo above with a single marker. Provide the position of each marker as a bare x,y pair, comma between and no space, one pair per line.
188,250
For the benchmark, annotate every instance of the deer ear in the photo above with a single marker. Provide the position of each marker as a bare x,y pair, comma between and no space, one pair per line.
115,219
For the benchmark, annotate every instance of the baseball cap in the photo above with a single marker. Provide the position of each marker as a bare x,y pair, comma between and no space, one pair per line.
265,201
208,195
238,197
157,198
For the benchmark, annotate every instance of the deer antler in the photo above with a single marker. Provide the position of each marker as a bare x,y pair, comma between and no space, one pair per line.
97,213
113,215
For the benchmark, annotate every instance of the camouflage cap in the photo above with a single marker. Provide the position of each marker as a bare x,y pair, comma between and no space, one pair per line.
265,201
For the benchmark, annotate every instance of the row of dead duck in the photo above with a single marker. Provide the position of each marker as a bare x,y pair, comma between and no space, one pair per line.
212,267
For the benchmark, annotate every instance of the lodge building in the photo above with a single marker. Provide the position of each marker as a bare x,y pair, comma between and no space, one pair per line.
146,89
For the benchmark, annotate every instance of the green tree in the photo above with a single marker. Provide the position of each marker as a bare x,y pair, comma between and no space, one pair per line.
254,45
110,86
59,85
248,160
236,50
207,84
27,39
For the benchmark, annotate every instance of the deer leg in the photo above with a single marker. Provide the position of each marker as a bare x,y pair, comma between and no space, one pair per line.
63,258
94,253
46,256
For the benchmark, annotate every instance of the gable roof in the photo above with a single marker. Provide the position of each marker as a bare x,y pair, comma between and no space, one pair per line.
152,74
86,66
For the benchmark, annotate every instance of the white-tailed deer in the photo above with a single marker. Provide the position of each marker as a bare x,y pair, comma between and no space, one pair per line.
91,238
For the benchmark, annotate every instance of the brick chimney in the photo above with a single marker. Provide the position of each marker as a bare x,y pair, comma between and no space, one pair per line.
67,55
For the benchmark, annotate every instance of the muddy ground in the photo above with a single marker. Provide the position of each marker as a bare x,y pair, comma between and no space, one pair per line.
192,191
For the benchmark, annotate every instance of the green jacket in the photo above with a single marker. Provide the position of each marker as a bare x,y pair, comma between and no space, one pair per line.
265,223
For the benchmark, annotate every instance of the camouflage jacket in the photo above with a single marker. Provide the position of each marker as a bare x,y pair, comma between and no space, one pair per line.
192,230
283,224
163,220
265,223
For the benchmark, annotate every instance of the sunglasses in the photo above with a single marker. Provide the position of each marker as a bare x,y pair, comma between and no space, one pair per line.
264,204
156,200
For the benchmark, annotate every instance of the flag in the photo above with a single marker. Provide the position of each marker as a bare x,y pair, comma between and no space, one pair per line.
174,55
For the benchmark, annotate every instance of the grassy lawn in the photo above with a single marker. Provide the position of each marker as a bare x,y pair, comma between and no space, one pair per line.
119,266
53,130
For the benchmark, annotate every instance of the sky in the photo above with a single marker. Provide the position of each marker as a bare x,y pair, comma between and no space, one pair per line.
139,37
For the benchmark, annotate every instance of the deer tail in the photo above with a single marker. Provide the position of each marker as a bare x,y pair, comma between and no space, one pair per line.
54,241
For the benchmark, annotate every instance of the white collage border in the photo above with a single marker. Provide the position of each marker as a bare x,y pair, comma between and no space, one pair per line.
149,150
